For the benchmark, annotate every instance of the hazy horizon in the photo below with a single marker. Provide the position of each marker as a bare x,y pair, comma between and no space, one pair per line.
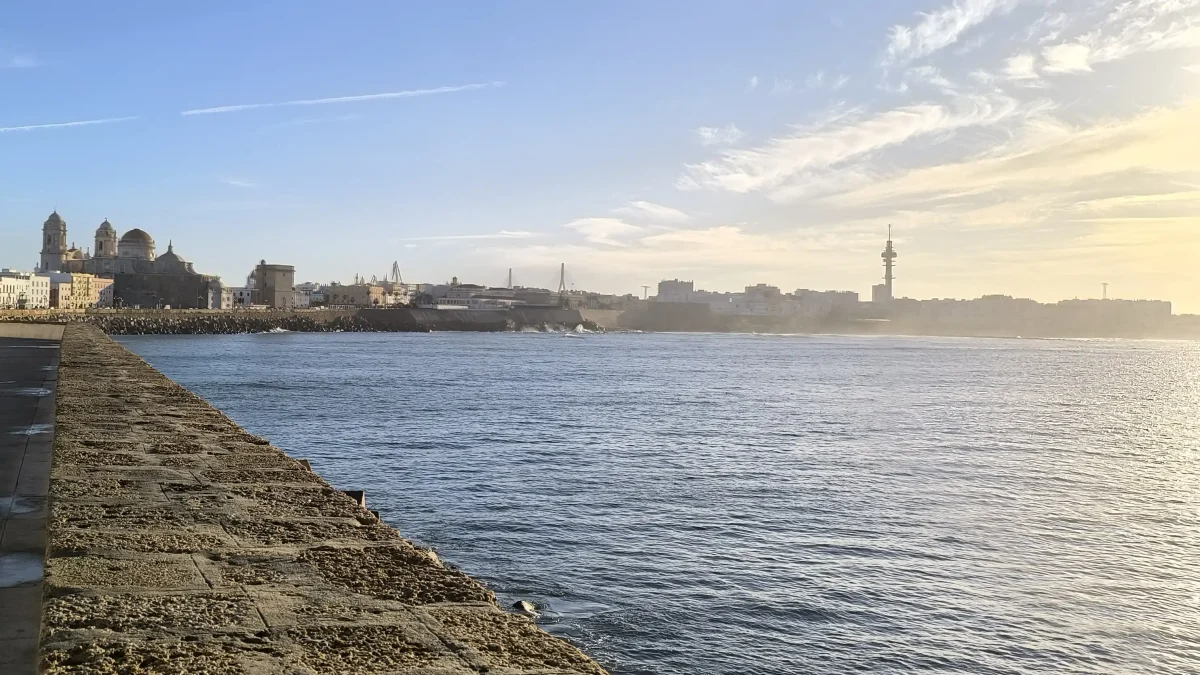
1034,148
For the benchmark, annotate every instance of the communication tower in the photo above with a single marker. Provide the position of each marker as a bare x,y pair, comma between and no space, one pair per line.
889,257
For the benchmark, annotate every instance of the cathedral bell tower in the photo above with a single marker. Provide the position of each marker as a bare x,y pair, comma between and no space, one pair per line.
106,241
54,243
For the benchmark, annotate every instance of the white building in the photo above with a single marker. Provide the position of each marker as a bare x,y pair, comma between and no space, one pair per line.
305,293
24,290
242,296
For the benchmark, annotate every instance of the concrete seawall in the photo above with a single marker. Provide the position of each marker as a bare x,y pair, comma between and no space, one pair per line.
179,543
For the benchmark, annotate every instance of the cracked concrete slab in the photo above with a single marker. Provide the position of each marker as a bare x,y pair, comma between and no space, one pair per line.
180,543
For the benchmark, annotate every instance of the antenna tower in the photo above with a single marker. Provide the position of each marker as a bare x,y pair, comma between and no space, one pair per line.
395,277
645,292
1104,286
889,257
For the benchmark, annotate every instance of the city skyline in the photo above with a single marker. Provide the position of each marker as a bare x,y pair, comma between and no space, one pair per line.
1026,148
877,294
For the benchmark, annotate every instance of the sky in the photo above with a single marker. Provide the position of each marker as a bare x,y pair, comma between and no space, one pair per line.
1036,148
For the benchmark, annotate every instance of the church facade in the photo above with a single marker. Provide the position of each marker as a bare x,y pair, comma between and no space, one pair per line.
140,279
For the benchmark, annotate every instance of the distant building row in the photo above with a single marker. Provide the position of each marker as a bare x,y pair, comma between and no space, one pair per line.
986,313
57,290
762,300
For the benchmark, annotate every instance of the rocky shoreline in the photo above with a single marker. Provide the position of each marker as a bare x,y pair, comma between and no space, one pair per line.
179,543
166,322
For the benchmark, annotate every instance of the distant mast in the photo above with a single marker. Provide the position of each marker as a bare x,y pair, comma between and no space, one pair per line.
562,285
889,257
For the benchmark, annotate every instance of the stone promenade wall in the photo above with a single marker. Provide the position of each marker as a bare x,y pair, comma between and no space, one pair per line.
179,543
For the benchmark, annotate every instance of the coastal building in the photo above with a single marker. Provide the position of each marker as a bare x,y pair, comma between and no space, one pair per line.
305,293
822,304
226,300
77,290
105,297
542,297
674,290
274,285
354,295
140,278
242,296
24,290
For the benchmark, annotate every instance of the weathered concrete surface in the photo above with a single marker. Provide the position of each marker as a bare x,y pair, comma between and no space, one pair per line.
28,370
181,544
31,331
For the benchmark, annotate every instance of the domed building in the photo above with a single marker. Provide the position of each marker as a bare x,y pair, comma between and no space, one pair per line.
170,262
136,244
139,278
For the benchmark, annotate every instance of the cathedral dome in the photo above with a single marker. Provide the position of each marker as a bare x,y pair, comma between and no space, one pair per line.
54,219
106,228
136,244
136,236
170,256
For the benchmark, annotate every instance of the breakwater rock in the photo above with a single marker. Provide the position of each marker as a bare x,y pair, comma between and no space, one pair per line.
225,324
214,322
179,543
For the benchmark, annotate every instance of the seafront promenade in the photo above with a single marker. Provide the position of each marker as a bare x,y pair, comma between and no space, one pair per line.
179,543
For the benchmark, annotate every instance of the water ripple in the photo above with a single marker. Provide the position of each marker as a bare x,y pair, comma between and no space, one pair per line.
726,504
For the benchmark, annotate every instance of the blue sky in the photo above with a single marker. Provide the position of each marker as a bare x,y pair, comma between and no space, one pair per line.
1030,147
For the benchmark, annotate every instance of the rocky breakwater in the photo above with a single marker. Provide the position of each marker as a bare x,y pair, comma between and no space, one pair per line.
179,543
224,323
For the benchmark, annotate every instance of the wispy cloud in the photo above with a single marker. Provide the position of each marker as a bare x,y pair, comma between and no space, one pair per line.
63,125
1130,27
603,230
719,135
238,183
19,62
815,80
641,210
940,29
782,86
1195,69
502,234
1021,68
1067,58
1053,165
930,76
841,81
752,84
810,150
410,93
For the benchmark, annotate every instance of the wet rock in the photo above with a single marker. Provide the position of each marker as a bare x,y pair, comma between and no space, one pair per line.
526,607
